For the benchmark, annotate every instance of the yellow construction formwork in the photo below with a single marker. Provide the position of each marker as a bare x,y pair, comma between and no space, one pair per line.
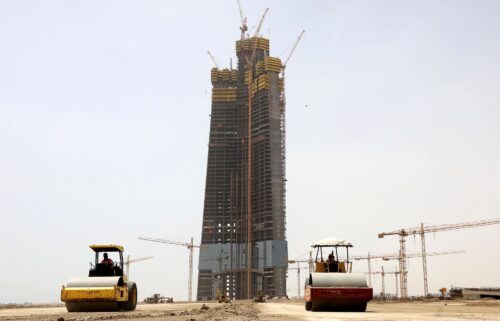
262,81
225,94
272,64
225,75
249,44
259,68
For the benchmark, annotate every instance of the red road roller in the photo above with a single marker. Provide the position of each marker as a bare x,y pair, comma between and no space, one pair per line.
332,286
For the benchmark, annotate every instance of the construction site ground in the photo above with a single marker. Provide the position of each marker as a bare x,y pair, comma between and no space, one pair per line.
269,311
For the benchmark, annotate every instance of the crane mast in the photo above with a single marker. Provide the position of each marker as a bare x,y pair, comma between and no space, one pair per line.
249,162
383,273
190,246
298,268
283,106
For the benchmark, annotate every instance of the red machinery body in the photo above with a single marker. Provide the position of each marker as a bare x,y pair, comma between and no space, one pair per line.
338,299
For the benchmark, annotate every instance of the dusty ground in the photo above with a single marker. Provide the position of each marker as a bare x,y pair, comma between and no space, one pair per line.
275,311
144,312
418,311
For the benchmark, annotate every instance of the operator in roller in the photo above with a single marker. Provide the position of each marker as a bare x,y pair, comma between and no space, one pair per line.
107,261
332,264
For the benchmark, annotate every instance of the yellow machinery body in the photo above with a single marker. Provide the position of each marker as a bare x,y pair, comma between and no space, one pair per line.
116,293
105,289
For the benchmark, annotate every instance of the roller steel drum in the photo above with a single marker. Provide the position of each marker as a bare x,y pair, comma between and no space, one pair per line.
95,304
327,280
94,282
337,292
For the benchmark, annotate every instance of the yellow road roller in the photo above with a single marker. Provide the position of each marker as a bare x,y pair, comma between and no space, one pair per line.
106,288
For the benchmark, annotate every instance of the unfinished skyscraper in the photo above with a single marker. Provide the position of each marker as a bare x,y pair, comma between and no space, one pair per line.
245,218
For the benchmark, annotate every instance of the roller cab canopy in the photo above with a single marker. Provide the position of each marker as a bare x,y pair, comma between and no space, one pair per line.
331,242
106,248
332,262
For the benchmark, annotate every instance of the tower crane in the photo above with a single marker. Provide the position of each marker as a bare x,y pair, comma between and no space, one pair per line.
249,161
283,104
129,260
421,230
395,256
298,268
213,59
243,18
283,67
190,246
383,273
291,51
259,26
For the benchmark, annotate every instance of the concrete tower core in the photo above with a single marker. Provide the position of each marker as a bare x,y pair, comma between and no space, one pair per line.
223,260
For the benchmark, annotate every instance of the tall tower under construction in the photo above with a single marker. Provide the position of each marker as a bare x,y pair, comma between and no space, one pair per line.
244,248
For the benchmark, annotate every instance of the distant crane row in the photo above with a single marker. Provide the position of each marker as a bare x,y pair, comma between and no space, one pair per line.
368,258
395,256
298,268
383,273
422,230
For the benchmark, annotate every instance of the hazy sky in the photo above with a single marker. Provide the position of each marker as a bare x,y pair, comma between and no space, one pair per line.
393,119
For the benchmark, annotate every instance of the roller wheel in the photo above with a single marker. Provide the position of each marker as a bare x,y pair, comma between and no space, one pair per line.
132,298
88,306
121,306
308,306
71,307
361,307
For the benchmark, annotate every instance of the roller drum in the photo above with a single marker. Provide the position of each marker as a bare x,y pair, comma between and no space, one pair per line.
331,280
337,292
95,294
94,282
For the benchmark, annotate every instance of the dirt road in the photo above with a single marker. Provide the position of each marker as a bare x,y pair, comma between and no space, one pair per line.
414,311
271,311
144,312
